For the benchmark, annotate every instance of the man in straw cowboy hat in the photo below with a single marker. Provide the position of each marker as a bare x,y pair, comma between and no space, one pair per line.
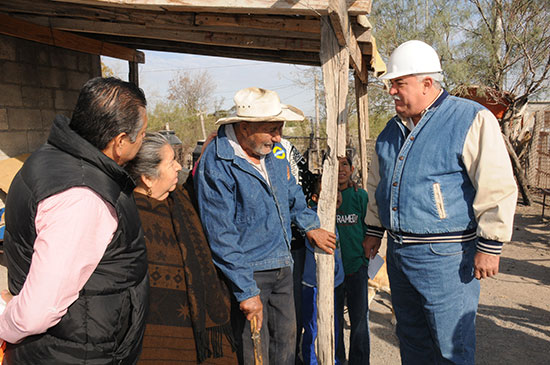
247,199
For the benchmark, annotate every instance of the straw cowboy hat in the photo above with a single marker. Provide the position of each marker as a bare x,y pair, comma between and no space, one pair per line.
260,105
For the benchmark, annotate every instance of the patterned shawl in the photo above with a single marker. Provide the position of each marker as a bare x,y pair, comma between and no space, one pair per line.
186,288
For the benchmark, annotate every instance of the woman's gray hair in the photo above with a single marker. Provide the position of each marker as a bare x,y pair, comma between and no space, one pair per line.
437,78
148,158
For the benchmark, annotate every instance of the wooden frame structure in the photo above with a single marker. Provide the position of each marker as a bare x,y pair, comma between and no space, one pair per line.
334,34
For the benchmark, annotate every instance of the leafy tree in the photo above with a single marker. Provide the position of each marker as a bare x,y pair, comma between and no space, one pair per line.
186,126
167,114
380,108
511,38
499,45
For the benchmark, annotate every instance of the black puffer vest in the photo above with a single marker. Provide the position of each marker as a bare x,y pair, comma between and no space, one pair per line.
105,324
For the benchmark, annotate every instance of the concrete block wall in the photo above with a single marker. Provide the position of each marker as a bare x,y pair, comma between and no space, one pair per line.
37,82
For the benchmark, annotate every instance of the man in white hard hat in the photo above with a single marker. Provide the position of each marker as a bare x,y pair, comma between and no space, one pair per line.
248,199
443,190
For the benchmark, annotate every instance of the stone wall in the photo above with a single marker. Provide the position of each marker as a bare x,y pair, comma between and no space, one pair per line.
37,82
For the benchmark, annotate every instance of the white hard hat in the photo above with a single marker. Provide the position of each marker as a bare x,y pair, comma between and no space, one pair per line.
410,58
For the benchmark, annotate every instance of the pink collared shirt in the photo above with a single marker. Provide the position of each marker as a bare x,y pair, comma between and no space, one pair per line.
73,230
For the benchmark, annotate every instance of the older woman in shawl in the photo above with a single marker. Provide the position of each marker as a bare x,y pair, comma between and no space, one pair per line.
189,310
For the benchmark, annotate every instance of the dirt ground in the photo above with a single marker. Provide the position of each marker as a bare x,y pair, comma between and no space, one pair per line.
513,321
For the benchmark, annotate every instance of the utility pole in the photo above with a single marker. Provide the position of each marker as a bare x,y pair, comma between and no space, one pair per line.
202,126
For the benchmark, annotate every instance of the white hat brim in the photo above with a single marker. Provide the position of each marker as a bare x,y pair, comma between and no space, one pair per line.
288,114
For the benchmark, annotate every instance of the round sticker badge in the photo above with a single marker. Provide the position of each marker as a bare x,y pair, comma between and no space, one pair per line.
279,153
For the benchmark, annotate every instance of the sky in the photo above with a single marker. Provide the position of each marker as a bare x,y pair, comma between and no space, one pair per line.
230,75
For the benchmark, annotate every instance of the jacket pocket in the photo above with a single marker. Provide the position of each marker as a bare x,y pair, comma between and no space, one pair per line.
129,348
438,198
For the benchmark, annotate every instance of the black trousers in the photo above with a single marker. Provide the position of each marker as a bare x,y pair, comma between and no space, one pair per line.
278,332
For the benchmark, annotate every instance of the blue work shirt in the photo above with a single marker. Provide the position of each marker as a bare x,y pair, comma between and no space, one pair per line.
247,221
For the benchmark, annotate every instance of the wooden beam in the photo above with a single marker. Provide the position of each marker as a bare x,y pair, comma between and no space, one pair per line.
295,7
86,18
133,72
335,66
158,27
178,20
294,57
362,100
272,42
362,35
273,23
113,14
346,38
307,26
22,29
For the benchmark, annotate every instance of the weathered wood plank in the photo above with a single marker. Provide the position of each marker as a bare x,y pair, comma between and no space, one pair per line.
335,65
54,37
77,17
51,8
342,30
196,36
147,27
133,72
273,23
362,99
346,38
185,20
361,34
296,7
282,56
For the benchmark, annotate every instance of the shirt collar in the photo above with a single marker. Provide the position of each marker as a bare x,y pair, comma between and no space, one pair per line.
234,142
440,97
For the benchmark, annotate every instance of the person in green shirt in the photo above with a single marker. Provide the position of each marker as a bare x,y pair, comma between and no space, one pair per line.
350,219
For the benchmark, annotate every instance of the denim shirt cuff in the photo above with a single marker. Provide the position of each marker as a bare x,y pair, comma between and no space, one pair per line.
375,231
311,227
489,246
249,293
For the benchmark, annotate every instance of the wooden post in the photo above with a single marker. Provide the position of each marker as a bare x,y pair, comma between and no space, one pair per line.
202,126
317,124
362,98
133,72
335,66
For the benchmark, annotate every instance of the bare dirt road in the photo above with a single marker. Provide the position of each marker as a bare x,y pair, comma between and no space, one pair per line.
513,322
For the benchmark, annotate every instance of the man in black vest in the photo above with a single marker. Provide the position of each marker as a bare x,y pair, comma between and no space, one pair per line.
77,265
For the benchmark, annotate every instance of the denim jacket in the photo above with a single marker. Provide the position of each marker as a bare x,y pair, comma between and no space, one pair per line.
246,220
427,195
447,180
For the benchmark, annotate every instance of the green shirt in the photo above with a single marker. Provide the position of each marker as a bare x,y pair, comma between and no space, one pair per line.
350,219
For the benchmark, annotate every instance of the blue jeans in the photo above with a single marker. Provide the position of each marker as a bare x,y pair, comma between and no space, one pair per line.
357,295
435,297
298,255
309,320
278,332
